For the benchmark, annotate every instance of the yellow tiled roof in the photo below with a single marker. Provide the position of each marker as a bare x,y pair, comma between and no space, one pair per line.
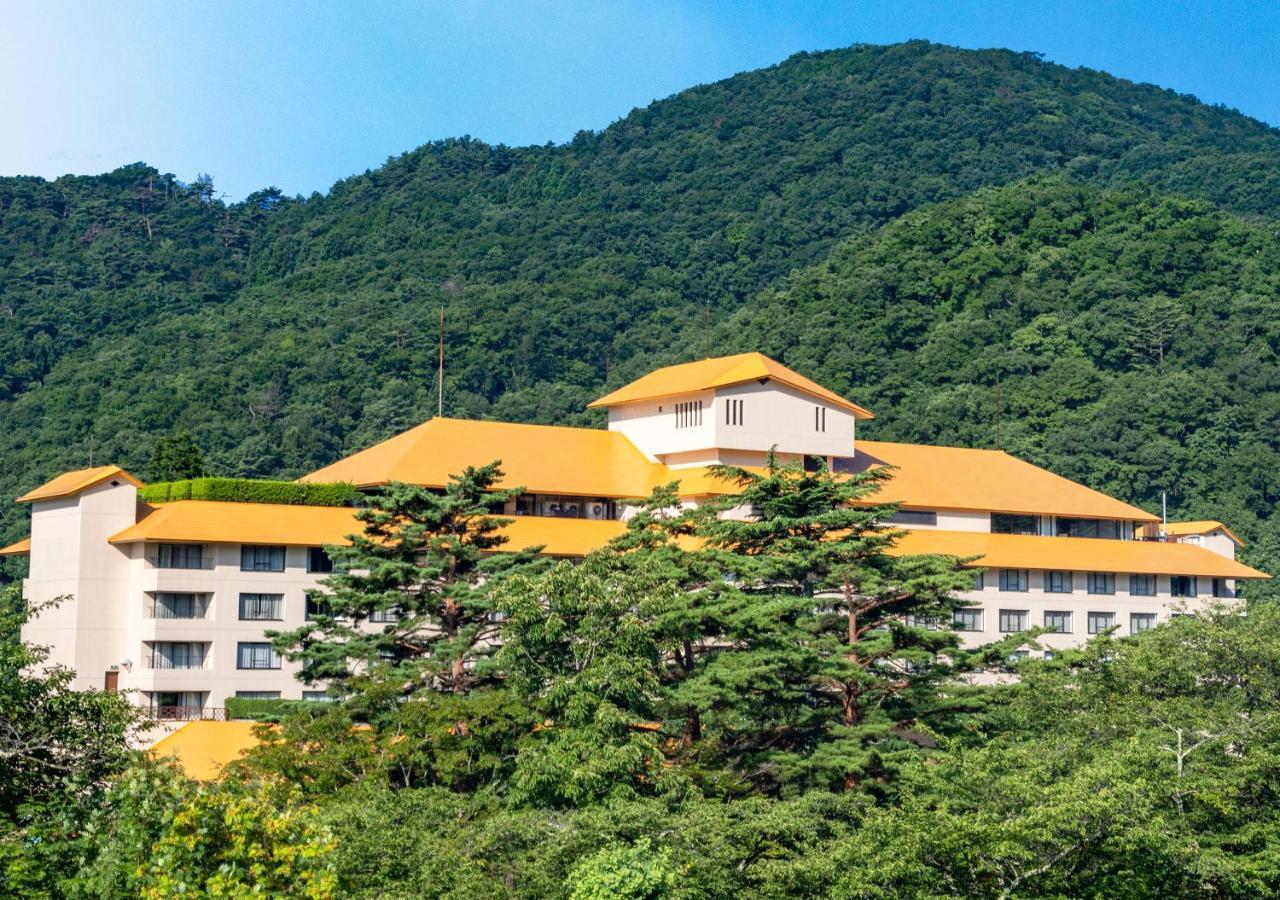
1202,526
963,479
203,748
546,459
69,483
18,548
1020,551
722,371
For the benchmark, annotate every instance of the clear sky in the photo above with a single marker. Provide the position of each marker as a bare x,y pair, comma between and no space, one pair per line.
300,94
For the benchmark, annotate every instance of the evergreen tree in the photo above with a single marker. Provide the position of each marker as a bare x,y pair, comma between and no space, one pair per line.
175,457
410,598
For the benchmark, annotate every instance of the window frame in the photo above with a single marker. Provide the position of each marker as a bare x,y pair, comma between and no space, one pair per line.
1145,616
1107,580
1067,585
1006,615
1024,579
1149,580
254,646
1064,614
254,550
975,611
1092,628
258,597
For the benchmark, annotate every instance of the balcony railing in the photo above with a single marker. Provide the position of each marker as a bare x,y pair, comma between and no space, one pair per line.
188,713
159,609
156,661
190,563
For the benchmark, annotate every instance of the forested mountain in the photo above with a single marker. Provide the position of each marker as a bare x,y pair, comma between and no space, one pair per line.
1116,266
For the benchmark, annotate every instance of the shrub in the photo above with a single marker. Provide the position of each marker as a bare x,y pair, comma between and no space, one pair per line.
248,490
259,710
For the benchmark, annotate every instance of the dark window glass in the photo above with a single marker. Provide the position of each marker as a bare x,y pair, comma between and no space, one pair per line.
1101,621
1142,585
1182,586
318,560
914,517
256,655
1140,622
180,556
1090,528
1014,580
255,558
261,607
979,580
1012,620
1220,588
1059,621
1102,583
966,620
1057,582
1005,523
316,608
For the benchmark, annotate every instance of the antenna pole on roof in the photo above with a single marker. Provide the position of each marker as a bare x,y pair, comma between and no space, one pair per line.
440,373
998,447
1164,513
707,321
90,453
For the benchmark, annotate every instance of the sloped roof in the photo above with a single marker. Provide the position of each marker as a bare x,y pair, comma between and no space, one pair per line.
717,372
964,479
18,548
69,483
1202,526
546,459
1020,551
204,748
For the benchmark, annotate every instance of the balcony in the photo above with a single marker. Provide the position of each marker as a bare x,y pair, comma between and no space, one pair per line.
178,606
187,713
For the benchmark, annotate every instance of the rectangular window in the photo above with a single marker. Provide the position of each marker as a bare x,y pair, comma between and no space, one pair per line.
1220,588
980,580
1182,585
257,695
317,696
1057,582
1058,621
1090,528
318,560
316,608
1004,523
1102,583
1142,585
255,558
180,556
385,615
1014,580
256,655
178,655
820,418
966,619
914,517
733,412
179,606
1140,622
261,607
1101,621
1013,620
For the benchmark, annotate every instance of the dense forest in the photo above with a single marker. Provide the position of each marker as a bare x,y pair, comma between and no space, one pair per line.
922,220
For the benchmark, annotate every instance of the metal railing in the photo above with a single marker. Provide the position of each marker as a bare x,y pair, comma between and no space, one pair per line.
188,713
157,661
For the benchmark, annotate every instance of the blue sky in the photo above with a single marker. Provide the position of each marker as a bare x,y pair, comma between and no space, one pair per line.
300,94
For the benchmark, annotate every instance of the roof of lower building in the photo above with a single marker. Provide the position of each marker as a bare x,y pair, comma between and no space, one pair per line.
986,480
204,748
69,483
718,372
1202,526
17,548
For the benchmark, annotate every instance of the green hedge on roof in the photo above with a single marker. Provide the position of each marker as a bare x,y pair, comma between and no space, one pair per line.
250,490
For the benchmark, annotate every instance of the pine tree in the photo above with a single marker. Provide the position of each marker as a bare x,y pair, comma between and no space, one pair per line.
410,599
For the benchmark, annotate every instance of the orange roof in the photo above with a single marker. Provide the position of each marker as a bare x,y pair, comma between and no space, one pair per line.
958,478
203,748
561,537
215,521
18,548
721,371
546,459
1178,529
1020,551
69,483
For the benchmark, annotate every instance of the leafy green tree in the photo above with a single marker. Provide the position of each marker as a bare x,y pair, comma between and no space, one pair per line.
176,457
639,872
410,600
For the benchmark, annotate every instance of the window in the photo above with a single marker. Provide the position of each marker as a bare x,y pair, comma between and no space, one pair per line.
317,696
316,608
261,559
819,418
318,560
178,655
1014,580
261,607
733,412
1004,523
1140,622
180,556
179,606
1090,528
1101,621
1102,583
1057,582
980,580
1220,588
814,463
256,655
1058,621
1182,585
689,414
385,615
1012,620
1048,654
257,695
966,619
1142,585
914,517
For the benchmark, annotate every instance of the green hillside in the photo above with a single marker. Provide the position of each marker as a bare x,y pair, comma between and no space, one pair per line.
286,332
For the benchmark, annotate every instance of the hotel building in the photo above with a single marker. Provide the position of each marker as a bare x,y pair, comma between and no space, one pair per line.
173,600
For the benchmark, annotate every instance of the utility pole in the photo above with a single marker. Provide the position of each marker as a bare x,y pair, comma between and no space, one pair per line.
998,445
440,374
707,323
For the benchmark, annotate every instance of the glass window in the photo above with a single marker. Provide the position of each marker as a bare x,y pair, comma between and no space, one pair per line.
385,615
1057,582
1182,585
1006,523
1101,621
966,620
257,695
1220,588
179,606
1090,528
914,517
261,559
1140,622
317,696
980,580
180,556
262,607
1142,585
1014,580
177,655
1102,583
315,608
256,655
1058,621
318,560
1012,620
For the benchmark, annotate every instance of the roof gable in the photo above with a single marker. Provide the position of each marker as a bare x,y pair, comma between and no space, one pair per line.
69,483
1202,526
